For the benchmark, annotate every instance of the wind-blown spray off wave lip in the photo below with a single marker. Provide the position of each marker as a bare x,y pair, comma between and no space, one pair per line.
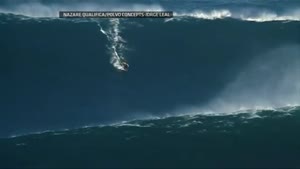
269,82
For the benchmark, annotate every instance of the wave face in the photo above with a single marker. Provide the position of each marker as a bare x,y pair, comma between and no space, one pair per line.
218,85
267,138
60,73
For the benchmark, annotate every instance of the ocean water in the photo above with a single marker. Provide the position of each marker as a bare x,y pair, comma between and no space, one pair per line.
218,85
268,138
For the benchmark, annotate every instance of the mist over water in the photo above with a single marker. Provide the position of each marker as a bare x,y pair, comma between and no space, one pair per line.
268,82
271,80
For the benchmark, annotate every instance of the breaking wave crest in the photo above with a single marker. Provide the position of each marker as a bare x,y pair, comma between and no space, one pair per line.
214,14
174,122
246,14
258,16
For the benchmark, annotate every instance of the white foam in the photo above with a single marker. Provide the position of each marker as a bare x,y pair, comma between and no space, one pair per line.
214,14
21,144
130,123
270,16
256,16
117,43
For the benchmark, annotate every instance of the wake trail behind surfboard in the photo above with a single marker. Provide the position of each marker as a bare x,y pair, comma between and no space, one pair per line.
116,46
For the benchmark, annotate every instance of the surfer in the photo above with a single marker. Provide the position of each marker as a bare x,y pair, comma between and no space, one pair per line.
123,63
125,66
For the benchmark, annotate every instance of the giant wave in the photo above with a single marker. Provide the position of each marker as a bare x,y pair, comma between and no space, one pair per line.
190,66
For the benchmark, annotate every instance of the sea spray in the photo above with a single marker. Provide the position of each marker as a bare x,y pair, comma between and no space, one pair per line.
116,43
